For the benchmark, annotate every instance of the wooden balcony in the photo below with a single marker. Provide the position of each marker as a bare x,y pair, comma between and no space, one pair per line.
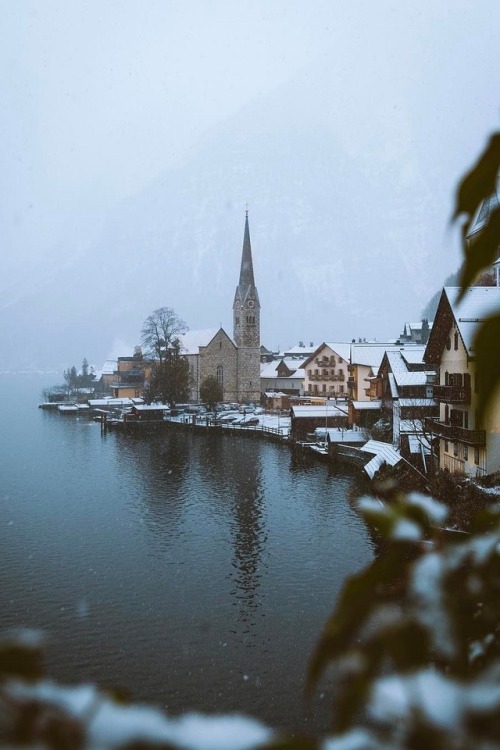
452,394
452,433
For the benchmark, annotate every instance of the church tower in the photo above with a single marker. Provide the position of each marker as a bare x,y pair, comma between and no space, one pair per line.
246,325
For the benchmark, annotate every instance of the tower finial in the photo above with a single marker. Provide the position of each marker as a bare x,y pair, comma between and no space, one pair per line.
246,210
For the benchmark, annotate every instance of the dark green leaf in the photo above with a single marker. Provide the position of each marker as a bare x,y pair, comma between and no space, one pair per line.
487,352
482,252
480,182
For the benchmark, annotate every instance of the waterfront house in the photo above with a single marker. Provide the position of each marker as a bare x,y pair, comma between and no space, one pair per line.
131,375
305,419
326,370
406,384
466,446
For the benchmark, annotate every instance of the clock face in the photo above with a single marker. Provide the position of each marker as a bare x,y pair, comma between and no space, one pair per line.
250,303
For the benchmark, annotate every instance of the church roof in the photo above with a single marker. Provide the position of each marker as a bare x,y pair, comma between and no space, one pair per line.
192,340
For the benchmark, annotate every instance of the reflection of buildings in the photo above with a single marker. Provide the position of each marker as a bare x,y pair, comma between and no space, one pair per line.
233,470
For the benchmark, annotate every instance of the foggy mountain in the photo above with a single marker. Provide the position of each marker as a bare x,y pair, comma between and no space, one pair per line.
343,246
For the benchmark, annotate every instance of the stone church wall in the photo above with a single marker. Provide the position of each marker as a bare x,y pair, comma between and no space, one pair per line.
221,352
249,374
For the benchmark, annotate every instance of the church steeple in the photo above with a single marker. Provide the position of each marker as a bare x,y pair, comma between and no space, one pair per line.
246,306
246,270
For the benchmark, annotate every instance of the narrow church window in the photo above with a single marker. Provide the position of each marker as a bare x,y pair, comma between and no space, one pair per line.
455,342
220,375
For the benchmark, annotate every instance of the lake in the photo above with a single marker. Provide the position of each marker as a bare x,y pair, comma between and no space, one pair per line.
193,571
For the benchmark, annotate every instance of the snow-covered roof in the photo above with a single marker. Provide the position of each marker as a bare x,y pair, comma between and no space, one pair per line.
321,411
300,351
370,355
367,405
384,454
417,443
269,370
192,340
339,435
341,348
479,303
417,402
94,402
393,385
413,378
109,366
151,407
414,354
411,426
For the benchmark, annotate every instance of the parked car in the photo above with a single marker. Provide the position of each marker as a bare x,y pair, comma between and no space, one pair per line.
249,421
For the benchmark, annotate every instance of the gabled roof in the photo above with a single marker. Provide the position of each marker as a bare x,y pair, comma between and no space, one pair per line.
339,348
270,369
192,340
370,355
478,303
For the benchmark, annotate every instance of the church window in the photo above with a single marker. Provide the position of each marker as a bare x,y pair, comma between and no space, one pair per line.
220,344
448,343
455,341
220,375
237,321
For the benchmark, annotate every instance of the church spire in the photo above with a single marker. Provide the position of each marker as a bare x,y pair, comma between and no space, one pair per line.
246,272
246,307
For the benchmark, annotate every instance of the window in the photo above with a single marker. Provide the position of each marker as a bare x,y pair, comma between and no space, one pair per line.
446,446
476,456
220,375
448,343
455,449
455,341
237,321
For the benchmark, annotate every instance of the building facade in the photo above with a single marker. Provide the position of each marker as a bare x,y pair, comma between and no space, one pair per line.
465,446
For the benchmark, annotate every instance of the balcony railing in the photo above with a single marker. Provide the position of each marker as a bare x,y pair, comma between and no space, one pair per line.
451,394
452,433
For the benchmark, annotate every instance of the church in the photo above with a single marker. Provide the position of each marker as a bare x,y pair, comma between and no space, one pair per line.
235,362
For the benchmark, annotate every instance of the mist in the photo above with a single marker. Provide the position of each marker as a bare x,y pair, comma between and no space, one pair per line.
134,134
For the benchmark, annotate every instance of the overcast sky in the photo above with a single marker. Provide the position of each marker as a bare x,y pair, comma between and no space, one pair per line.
101,97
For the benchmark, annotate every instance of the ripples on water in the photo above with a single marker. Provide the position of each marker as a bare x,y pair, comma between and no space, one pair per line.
193,571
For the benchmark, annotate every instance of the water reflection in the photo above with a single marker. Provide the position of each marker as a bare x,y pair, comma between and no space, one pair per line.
195,571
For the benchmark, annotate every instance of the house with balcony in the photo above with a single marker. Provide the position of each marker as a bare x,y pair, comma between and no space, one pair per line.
465,445
130,376
406,386
326,371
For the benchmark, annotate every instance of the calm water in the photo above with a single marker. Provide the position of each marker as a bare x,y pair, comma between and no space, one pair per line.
194,571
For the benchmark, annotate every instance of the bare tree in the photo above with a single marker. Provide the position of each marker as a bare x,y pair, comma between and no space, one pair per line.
160,330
